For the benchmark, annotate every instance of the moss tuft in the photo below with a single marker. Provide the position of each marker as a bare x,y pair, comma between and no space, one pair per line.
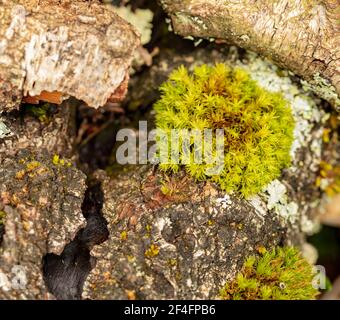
280,274
42,112
258,126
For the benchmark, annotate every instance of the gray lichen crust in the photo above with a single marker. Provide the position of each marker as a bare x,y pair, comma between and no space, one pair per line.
42,206
77,48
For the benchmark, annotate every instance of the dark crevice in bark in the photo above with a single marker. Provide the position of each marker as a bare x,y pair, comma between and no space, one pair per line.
2,232
65,275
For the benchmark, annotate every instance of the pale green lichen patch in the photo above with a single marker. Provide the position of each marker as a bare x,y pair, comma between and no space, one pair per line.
323,88
141,19
278,201
4,130
309,127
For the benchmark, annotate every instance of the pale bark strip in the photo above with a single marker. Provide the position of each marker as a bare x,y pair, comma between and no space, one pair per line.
77,48
302,36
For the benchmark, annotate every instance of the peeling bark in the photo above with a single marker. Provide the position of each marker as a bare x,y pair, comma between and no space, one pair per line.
302,36
75,48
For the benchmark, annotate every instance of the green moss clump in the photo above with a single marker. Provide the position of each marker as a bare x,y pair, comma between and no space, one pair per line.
258,125
280,274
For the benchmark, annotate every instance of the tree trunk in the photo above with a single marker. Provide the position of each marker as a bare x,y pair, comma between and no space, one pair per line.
302,36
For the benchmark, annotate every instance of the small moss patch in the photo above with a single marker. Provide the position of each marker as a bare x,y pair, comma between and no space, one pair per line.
280,274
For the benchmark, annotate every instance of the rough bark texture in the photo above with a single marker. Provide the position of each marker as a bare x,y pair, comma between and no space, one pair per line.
42,206
180,246
302,36
77,48
24,131
40,199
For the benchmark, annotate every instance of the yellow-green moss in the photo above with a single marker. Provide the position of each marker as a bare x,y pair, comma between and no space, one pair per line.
258,125
41,112
280,274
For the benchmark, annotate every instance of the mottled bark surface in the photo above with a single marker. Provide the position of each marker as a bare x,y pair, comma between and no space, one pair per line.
23,130
77,48
42,205
41,195
302,36
185,245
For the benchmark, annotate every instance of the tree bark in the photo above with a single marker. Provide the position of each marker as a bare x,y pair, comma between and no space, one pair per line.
302,36
63,48
40,197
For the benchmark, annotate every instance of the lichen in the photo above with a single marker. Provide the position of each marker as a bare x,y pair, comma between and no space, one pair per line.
303,104
280,274
323,88
257,124
278,201
4,130
141,19
329,179
310,121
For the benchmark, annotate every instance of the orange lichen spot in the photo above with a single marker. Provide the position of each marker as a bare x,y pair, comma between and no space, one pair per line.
131,295
20,174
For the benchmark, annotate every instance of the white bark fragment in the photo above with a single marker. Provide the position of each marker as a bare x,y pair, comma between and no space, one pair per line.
75,48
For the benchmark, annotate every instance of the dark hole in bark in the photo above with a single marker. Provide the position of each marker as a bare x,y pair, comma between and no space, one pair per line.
65,275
